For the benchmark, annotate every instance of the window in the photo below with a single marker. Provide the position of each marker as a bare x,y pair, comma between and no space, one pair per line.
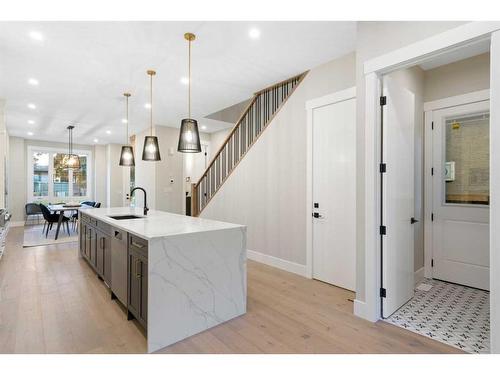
40,174
49,181
467,167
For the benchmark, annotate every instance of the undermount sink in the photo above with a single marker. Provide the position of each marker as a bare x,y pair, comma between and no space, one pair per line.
126,217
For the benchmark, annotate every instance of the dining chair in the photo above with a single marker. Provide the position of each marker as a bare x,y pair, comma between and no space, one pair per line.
74,217
32,209
50,219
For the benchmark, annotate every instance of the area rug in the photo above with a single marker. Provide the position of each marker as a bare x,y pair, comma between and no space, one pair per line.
34,236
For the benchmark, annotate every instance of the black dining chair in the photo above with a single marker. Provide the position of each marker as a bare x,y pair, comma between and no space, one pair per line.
74,217
50,219
32,210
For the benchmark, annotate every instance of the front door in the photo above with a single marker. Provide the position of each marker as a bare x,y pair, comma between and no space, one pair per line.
334,193
460,228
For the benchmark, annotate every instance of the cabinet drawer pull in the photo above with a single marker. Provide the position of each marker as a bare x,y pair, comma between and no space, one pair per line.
137,273
136,244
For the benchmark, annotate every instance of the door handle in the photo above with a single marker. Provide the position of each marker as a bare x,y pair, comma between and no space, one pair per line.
136,244
413,220
137,273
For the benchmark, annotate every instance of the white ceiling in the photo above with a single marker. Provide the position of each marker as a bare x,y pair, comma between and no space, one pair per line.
83,68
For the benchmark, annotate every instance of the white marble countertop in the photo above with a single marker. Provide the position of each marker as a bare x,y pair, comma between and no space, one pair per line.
157,223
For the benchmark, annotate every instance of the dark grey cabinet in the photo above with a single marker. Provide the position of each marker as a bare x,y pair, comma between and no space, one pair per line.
138,279
121,260
103,256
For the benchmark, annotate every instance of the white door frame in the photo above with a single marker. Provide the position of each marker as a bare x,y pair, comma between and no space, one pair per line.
402,58
329,99
429,107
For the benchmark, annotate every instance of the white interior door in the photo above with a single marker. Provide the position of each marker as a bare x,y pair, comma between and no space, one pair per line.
460,207
398,201
334,193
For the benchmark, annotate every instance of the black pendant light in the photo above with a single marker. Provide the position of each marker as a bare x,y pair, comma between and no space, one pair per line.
151,150
127,154
189,137
70,160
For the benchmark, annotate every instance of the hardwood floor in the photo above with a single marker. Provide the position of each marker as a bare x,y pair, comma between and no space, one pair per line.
51,302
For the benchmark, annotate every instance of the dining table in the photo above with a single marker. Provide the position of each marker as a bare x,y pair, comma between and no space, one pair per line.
61,209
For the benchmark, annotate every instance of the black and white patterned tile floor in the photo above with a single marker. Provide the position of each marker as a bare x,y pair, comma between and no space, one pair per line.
453,314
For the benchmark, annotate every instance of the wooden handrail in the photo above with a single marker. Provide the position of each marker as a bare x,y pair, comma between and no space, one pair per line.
279,83
261,110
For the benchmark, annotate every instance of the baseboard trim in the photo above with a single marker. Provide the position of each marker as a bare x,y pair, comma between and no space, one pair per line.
16,223
285,265
419,276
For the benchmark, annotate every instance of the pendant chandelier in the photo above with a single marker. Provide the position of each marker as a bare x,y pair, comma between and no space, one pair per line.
151,150
127,154
70,160
189,137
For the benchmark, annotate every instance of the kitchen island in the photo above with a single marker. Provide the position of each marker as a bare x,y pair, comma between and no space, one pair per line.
177,275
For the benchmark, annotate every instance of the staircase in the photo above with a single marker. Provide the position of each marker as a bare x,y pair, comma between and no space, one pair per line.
251,124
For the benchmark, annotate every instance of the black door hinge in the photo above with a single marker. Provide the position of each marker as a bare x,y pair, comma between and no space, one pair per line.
383,293
432,216
383,100
432,125
432,171
383,167
432,262
383,230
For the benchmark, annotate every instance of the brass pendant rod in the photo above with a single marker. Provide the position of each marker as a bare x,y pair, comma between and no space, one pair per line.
151,105
189,80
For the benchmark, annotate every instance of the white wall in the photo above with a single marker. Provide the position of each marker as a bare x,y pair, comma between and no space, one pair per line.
100,171
169,195
461,77
4,153
495,195
267,191
17,178
217,138
374,39
114,176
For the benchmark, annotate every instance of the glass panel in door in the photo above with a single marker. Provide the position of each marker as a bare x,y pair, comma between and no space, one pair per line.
467,159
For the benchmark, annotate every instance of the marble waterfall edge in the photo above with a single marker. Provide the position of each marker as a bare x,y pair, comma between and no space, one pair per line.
196,281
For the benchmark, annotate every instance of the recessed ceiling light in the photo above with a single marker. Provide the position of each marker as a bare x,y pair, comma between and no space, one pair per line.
185,80
254,33
30,133
124,120
203,127
31,122
147,105
96,140
108,131
31,106
36,35
33,81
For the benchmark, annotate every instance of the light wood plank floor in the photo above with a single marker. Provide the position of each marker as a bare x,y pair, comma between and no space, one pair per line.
51,302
